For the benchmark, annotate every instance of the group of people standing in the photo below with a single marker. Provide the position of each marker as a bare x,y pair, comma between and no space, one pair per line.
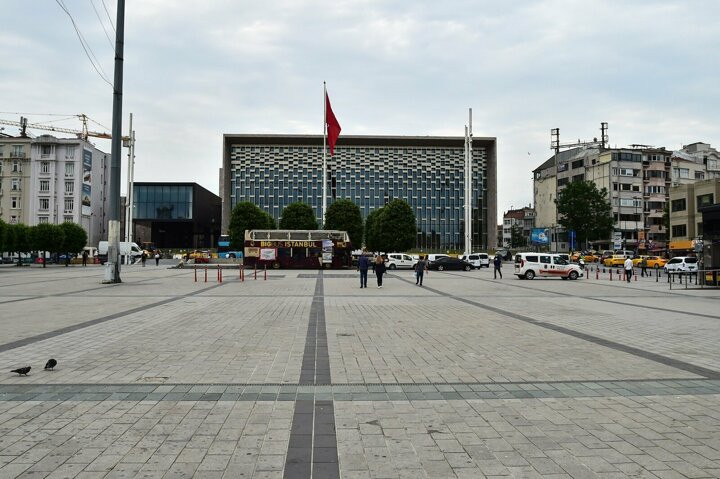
378,265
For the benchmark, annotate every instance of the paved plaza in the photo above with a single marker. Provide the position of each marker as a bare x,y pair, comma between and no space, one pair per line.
307,375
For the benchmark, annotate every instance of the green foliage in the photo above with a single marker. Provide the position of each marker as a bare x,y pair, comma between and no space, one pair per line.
3,232
397,227
372,240
17,238
586,210
344,215
74,238
517,239
298,216
46,237
247,216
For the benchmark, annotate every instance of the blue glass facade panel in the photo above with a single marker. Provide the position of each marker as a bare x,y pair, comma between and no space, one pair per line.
166,202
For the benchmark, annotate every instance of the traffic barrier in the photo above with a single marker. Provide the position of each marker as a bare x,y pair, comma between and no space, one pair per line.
242,273
195,268
256,272
610,275
206,274
265,278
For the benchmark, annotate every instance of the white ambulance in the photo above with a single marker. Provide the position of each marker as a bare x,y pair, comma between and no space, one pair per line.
548,265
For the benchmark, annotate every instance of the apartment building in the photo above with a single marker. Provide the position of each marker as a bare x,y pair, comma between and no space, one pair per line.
523,218
14,176
686,204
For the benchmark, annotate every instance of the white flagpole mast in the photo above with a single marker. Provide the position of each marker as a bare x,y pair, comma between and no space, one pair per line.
468,229
467,202
324,162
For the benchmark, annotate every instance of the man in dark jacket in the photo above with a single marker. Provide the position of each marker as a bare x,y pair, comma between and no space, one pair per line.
420,268
497,263
363,266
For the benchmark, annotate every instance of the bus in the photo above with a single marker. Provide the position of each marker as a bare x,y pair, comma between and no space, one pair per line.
225,251
309,249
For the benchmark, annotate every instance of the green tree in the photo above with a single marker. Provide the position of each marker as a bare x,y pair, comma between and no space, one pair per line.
3,233
298,216
586,210
372,240
517,239
74,239
46,237
396,226
345,215
17,239
247,216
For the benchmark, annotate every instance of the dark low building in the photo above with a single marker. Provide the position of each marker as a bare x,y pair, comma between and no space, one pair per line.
711,236
176,215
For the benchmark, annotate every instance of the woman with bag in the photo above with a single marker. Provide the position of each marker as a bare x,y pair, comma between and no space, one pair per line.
379,269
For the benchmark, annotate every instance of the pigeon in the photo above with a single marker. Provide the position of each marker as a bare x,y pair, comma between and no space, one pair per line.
22,371
51,364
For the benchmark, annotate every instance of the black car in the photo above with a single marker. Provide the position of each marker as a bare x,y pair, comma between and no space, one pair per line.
447,263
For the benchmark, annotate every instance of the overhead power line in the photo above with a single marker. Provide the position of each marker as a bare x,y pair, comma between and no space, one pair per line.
108,14
102,25
86,47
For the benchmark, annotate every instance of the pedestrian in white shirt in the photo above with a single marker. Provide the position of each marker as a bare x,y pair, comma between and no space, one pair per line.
628,269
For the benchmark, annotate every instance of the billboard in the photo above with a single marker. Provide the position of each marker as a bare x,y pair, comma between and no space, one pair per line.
86,182
540,236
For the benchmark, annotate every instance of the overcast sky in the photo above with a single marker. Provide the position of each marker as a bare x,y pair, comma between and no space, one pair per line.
197,69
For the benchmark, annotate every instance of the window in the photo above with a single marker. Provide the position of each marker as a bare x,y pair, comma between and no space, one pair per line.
678,205
15,184
16,166
545,259
44,186
69,168
44,204
699,175
626,187
704,200
562,181
42,219
681,172
679,230
46,150
631,202
44,167
655,189
17,151
13,219
69,205
69,187
70,152
532,259
14,202
580,177
577,164
68,219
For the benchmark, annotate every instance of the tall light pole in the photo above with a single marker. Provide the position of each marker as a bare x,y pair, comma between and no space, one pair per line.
112,267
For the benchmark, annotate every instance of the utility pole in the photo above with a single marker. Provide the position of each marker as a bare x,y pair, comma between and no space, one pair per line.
468,184
130,186
112,267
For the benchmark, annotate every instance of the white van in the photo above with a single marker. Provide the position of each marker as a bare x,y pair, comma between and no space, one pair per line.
479,260
126,248
399,261
530,265
685,264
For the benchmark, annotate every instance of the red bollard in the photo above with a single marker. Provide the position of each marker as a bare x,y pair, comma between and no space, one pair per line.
265,278
255,271
206,274
242,273
195,268
597,274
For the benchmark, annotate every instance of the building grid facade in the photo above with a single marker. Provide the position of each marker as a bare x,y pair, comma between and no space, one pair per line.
274,171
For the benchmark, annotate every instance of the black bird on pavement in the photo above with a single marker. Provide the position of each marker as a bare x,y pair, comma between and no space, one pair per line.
51,364
22,371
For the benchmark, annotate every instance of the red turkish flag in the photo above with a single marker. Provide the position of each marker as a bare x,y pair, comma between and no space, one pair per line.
333,127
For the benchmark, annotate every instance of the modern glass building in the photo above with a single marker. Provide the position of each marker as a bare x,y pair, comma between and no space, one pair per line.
175,215
273,171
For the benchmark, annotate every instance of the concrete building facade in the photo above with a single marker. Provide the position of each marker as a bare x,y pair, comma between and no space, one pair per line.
14,179
686,203
523,218
273,171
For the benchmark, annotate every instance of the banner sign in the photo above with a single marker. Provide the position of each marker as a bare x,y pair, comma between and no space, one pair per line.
268,254
540,236
87,182
252,252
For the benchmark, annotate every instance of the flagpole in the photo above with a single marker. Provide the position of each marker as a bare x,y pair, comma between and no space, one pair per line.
324,162
469,174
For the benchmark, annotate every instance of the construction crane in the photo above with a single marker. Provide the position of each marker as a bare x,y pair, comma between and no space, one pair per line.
83,134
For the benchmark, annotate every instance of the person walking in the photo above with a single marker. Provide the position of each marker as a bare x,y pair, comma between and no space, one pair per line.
379,269
643,267
84,257
363,266
497,263
157,258
628,269
420,268
143,258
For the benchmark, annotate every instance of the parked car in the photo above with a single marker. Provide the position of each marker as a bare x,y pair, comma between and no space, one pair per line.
530,265
448,263
656,262
605,255
435,257
614,260
687,264
478,260
400,260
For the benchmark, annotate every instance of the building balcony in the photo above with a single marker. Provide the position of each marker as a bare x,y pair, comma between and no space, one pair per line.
16,154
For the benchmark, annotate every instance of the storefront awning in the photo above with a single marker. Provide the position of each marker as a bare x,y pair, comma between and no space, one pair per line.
684,244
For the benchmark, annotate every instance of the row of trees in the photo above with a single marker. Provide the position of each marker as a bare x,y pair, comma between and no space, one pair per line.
63,238
391,228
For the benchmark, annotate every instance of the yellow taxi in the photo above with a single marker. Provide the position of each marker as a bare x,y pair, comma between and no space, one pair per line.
638,260
614,260
591,258
652,261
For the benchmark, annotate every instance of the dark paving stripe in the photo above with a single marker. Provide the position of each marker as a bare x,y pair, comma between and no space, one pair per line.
312,450
51,334
658,358
314,403
654,308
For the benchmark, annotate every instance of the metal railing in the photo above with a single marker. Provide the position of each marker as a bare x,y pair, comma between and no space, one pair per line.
699,279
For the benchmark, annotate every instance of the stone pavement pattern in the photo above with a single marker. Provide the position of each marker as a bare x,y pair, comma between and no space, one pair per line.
306,375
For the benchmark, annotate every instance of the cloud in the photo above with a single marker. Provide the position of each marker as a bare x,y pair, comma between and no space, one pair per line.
195,70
